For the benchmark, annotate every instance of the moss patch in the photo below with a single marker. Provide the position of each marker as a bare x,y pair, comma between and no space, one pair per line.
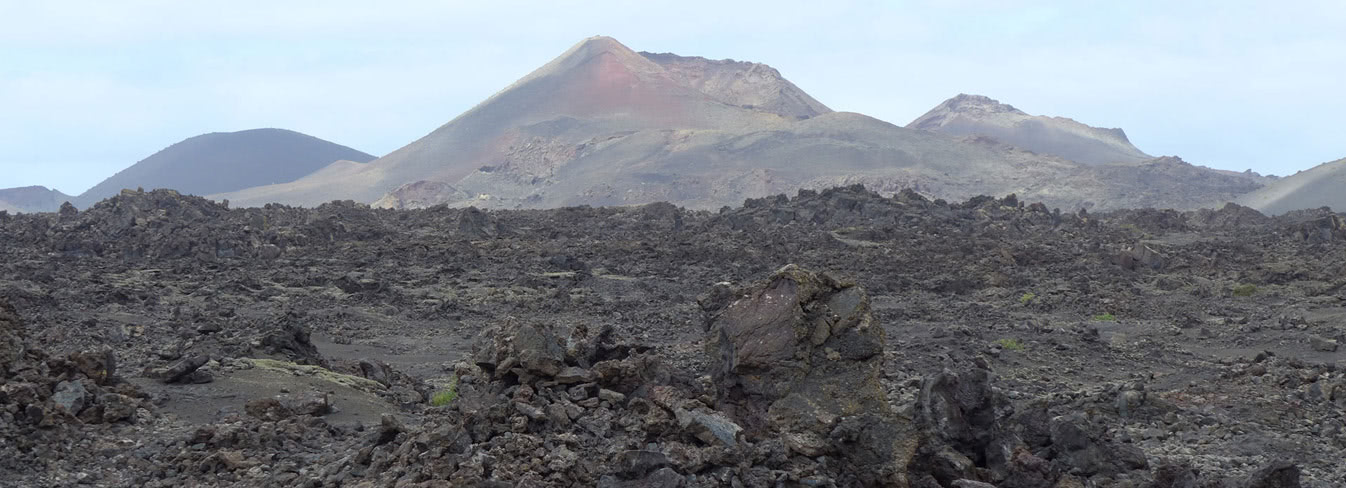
350,381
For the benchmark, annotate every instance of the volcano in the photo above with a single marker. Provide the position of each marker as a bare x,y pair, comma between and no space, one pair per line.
978,115
605,125
226,161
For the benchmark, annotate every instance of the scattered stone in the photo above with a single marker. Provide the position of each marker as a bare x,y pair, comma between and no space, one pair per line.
638,463
291,339
571,375
70,396
1321,344
315,404
181,372
117,407
101,367
536,349
611,396
713,428
964,483
377,371
530,411
269,409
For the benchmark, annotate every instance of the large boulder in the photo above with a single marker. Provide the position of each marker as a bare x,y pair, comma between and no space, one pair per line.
533,348
798,357
476,224
291,339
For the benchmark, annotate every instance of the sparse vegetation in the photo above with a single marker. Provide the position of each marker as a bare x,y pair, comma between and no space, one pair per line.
1105,317
1245,290
447,395
1027,298
351,381
1010,344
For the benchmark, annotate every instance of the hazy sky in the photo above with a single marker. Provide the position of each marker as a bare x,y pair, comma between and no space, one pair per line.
89,88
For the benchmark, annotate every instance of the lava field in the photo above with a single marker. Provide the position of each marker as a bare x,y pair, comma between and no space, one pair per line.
829,339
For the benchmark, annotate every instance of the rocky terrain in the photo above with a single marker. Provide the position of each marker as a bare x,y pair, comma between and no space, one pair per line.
830,338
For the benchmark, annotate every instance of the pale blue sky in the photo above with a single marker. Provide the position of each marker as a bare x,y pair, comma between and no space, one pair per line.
88,88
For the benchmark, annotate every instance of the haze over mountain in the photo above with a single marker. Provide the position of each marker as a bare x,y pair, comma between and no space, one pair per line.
1321,186
604,125
1060,136
31,199
226,161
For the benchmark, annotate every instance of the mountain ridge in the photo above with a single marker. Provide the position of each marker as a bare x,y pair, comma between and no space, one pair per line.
602,124
980,115
31,199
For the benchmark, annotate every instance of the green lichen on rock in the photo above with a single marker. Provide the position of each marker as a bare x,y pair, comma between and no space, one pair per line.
351,381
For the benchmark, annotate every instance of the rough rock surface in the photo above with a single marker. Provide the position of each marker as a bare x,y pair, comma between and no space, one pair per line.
798,359
350,346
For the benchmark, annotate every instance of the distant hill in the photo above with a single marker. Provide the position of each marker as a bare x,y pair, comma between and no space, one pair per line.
977,115
1321,186
31,199
605,125
226,161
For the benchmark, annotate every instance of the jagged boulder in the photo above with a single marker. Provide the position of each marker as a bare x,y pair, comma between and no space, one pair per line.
476,224
798,356
972,430
292,340
962,410
1141,256
1321,228
532,348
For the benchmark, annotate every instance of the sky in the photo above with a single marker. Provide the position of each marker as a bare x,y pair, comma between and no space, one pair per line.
88,88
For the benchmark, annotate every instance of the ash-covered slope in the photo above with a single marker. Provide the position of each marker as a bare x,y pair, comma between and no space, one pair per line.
604,125
1165,182
226,161
741,83
31,199
983,116
595,90
1321,186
